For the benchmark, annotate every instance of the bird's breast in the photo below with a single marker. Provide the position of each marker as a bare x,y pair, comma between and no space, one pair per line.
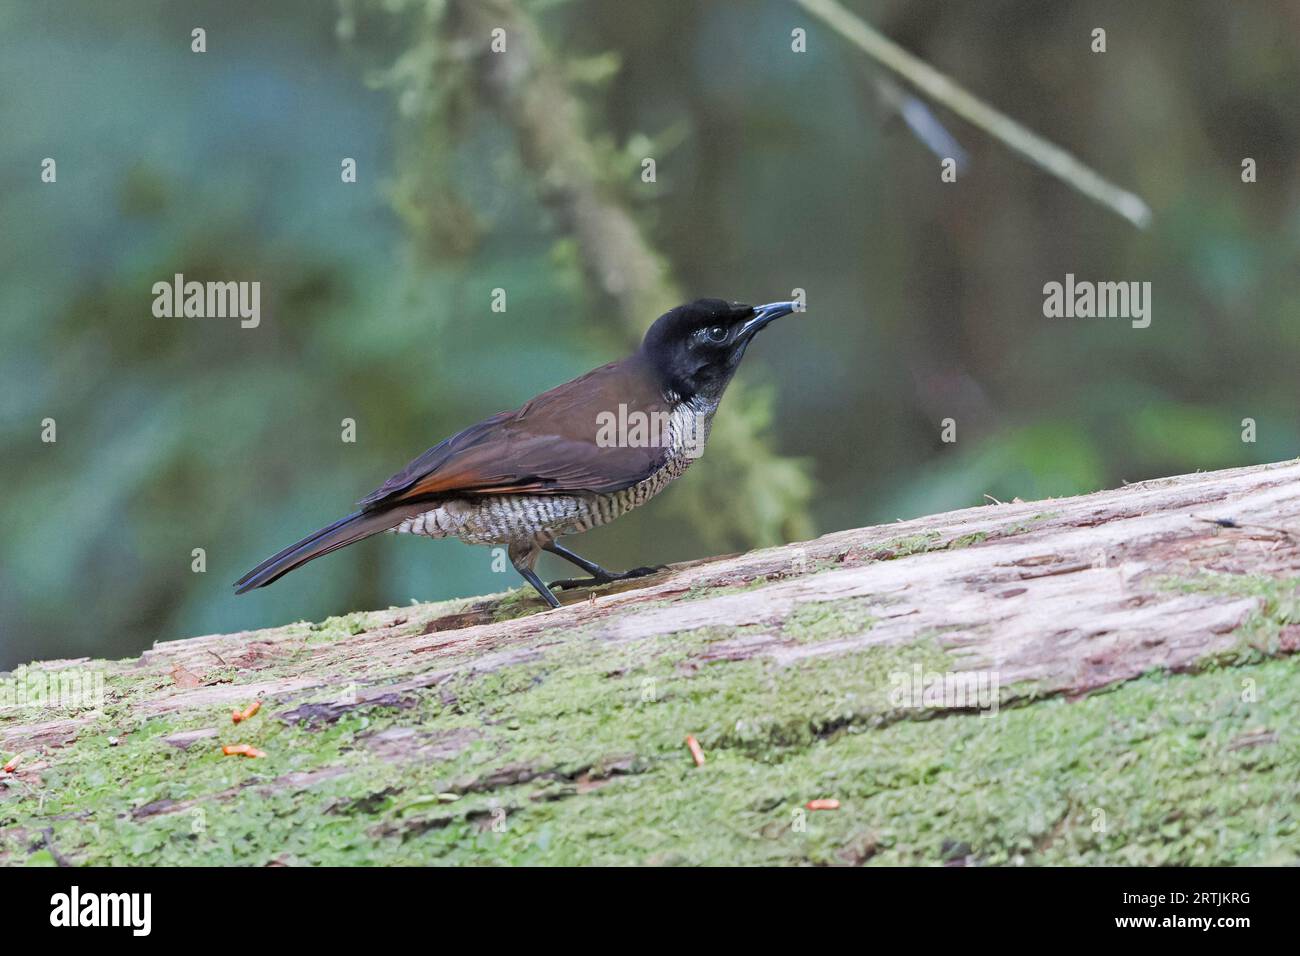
501,519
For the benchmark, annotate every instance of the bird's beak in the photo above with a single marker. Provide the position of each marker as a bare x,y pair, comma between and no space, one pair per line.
763,314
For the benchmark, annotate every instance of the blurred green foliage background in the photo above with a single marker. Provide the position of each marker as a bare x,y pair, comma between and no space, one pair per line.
774,171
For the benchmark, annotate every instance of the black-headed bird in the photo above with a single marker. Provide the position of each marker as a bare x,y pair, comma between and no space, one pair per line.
569,460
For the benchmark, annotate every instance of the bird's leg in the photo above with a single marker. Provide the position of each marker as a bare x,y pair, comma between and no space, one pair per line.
531,577
523,558
598,574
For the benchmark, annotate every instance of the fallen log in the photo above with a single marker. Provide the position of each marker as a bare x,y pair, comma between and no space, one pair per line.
1099,679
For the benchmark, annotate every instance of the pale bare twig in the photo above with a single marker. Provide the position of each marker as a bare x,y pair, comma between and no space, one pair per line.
1039,151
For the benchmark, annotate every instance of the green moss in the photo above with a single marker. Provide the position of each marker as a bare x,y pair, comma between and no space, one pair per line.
1260,634
910,544
344,625
518,602
828,620
578,756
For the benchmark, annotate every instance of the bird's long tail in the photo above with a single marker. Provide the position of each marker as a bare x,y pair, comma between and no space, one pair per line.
341,533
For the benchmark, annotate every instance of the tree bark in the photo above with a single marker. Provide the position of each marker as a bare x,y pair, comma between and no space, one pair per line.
1057,599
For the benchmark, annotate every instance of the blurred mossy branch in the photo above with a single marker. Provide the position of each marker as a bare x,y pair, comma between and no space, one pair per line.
748,494
1042,153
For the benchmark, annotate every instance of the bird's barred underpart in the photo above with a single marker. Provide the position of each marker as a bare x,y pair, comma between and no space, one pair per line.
503,519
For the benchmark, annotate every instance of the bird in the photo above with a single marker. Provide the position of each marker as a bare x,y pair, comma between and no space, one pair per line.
573,458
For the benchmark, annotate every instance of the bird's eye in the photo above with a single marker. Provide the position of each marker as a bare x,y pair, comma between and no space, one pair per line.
717,334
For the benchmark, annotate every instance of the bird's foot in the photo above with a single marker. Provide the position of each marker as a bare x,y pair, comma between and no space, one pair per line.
606,577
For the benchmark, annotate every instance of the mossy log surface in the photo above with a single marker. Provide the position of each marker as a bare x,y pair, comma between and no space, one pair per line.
1140,643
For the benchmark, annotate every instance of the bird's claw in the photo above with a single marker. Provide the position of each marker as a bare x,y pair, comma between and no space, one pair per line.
608,577
568,584
643,571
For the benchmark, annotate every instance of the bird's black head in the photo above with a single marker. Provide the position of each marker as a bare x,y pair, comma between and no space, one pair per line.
697,347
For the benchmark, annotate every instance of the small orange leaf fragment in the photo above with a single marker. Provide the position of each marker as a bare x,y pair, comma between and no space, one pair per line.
241,750
822,804
11,766
696,752
237,715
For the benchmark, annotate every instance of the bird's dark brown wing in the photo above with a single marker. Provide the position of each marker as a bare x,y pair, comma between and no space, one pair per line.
549,445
